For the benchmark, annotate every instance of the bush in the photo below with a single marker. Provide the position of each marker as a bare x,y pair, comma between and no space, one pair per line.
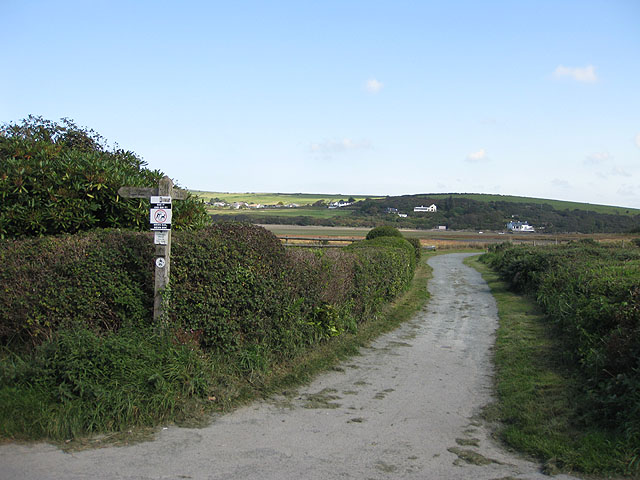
236,285
385,269
233,284
417,246
592,293
103,279
227,282
596,307
78,349
383,231
60,178
324,282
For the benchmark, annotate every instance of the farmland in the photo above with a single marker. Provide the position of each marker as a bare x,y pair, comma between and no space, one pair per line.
312,212
446,239
274,198
478,212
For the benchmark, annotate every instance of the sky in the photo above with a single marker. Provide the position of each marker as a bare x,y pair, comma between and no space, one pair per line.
532,98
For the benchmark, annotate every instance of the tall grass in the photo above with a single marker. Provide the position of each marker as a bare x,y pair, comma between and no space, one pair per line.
80,383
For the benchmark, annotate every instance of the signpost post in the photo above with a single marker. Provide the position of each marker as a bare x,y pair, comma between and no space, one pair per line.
160,216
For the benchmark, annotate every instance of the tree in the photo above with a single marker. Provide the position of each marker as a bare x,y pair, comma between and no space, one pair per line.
60,178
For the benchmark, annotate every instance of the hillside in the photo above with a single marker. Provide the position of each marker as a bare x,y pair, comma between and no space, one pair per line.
456,211
557,204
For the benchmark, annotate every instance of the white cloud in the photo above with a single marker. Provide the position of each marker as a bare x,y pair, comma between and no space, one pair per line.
488,121
558,182
638,140
579,74
339,146
619,172
629,190
479,156
373,86
597,158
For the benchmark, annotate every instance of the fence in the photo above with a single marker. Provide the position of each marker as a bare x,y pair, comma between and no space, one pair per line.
316,242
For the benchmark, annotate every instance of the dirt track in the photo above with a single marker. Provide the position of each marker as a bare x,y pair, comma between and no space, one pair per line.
406,408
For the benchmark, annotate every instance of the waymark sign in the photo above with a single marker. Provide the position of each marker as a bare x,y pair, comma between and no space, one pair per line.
160,213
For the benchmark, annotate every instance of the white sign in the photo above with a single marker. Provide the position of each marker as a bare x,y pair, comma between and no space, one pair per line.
161,237
160,213
160,262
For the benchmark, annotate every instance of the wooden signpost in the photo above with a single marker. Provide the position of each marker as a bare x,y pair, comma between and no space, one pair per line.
160,223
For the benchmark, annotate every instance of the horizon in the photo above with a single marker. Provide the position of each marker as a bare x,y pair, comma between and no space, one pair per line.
536,99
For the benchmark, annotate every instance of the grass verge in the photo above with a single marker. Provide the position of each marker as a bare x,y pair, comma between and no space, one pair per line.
539,404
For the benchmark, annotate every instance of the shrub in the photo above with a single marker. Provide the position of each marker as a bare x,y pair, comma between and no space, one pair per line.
233,284
236,284
417,246
383,231
592,294
385,268
60,178
83,305
324,282
227,281
103,279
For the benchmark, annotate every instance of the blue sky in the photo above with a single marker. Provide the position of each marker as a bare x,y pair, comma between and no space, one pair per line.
535,98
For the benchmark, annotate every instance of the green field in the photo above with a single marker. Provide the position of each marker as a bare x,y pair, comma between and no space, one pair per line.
315,212
274,198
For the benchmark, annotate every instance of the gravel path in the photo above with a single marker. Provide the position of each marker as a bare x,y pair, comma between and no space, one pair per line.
406,408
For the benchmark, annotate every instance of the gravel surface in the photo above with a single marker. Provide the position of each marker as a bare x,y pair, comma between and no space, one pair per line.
408,407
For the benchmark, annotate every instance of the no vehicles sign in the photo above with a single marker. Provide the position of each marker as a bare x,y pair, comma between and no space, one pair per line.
160,213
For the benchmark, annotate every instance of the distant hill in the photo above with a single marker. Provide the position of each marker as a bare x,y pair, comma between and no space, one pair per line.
492,212
456,211
557,204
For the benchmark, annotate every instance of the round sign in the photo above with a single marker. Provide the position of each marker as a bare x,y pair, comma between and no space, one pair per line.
160,262
160,216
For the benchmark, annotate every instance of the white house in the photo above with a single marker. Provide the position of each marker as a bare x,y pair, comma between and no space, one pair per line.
520,227
339,204
422,208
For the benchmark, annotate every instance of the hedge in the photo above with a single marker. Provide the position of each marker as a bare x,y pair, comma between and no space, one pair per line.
592,294
103,279
233,286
